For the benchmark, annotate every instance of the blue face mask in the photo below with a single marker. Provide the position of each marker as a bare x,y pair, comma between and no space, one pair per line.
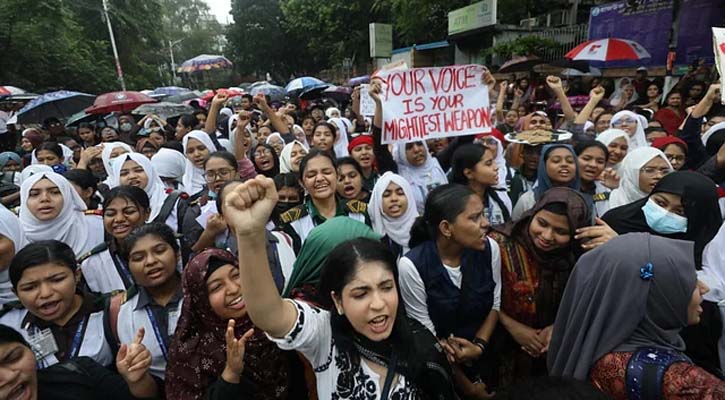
663,221
211,195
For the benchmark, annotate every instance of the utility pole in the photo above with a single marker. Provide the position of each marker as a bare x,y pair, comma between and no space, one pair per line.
171,53
113,46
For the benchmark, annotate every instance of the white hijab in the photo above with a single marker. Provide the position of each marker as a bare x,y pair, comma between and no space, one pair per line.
713,274
638,139
709,132
285,158
155,188
31,170
108,162
70,226
608,136
169,163
67,156
341,141
397,229
273,135
628,190
193,176
422,178
9,228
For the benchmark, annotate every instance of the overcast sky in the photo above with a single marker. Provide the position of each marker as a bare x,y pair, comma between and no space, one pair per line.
220,9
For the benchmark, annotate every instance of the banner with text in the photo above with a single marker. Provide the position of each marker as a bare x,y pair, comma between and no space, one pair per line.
426,103
718,40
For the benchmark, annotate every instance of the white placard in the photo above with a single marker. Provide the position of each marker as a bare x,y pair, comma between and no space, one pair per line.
367,104
718,41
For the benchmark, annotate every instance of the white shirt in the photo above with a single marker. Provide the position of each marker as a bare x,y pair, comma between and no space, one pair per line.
412,287
312,336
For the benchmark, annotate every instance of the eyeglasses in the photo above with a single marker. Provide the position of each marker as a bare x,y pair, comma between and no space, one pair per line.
263,152
652,171
622,121
225,173
674,158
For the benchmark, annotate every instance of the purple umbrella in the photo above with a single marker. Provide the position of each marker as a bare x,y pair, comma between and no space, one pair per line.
204,62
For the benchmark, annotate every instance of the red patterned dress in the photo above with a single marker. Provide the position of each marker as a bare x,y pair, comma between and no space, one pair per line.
682,380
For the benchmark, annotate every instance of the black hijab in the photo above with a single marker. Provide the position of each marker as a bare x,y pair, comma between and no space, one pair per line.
699,199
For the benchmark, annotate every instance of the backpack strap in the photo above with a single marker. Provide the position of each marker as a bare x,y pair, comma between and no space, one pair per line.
168,206
110,320
646,372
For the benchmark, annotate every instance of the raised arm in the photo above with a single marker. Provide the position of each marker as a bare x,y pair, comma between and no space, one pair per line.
246,210
595,96
500,101
277,123
240,150
359,118
554,83
216,104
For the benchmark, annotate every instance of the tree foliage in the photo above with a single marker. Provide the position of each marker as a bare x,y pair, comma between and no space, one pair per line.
52,44
524,46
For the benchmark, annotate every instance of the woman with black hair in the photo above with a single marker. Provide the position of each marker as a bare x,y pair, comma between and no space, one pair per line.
78,379
104,268
59,320
350,180
451,281
266,161
364,346
186,124
592,159
474,165
86,184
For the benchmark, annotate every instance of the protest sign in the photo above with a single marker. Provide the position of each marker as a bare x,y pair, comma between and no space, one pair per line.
367,104
718,41
426,103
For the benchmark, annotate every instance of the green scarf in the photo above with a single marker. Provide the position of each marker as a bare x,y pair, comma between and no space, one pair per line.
319,244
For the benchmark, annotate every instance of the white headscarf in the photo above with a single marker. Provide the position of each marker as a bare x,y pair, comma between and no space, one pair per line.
608,136
299,133
273,135
169,163
628,190
330,113
31,170
155,188
107,161
70,226
709,132
638,139
193,176
713,274
341,141
397,229
67,156
422,178
9,228
285,158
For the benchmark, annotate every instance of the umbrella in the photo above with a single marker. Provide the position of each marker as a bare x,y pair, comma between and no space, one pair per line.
591,71
170,90
54,104
204,62
10,90
337,93
275,93
520,64
304,84
358,80
81,116
118,102
231,92
164,109
19,97
610,49
182,97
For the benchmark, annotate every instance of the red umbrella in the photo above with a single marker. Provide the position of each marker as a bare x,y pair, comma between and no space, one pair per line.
118,102
229,92
610,49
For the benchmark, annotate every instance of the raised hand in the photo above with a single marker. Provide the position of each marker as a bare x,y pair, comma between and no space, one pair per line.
261,101
713,93
219,99
235,353
554,82
609,178
488,79
376,88
133,360
597,93
248,206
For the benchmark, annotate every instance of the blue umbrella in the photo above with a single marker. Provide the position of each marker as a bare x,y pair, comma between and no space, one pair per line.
358,80
204,62
275,93
304,84
169,90
54,104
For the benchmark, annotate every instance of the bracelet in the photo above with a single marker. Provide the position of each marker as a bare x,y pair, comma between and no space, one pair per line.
481,343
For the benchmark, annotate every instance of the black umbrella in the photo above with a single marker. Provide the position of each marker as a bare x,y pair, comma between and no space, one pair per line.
520,64
182,97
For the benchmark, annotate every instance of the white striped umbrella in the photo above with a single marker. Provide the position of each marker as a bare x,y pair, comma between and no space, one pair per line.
610,49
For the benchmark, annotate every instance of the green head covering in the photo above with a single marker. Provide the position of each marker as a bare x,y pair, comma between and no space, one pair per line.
319,243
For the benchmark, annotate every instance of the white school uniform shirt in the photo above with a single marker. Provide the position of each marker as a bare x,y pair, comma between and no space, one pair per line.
93,344
130,320
311,335
415,298
100,273
306,224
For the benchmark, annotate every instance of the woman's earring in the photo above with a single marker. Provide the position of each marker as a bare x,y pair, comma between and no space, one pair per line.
340,311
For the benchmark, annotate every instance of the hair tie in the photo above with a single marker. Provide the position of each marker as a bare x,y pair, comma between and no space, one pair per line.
646,272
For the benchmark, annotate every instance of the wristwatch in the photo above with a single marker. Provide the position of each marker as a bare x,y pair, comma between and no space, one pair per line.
482,344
